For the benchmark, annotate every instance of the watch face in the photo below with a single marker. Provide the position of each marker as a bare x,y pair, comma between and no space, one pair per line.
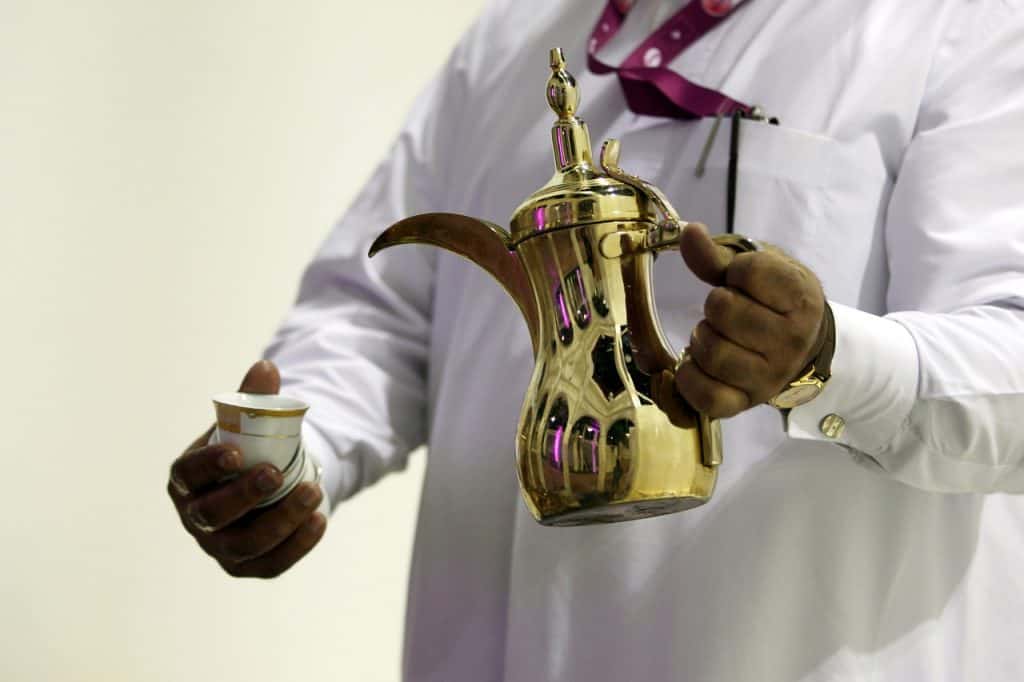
795,396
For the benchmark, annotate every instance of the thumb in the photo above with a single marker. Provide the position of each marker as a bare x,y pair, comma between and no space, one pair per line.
703,256
262,377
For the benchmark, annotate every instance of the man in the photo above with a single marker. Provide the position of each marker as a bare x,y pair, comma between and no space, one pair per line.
862,538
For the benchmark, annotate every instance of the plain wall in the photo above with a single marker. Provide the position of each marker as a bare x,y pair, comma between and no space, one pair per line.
166,170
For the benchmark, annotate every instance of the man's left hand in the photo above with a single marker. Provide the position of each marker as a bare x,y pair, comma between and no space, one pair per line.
764,321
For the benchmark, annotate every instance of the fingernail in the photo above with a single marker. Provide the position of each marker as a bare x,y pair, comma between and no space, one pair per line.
317,522
309,496
179,485
267,481
197,519
229,460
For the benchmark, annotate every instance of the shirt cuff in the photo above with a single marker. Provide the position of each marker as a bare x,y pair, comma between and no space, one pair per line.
873,386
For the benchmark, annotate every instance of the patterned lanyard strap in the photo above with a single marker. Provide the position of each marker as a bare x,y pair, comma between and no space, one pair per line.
651,88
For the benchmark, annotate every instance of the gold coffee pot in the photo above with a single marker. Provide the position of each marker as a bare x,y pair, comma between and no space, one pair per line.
603,436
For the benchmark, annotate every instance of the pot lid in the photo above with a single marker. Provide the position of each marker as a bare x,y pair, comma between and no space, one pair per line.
579,192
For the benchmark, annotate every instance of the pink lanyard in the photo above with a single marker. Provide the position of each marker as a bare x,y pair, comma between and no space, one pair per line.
651,88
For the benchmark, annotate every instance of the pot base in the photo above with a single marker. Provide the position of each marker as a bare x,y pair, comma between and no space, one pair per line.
623,511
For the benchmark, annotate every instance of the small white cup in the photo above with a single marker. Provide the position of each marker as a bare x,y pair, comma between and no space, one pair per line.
266,428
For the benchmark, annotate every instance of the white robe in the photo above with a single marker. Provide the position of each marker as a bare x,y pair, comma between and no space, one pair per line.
896,174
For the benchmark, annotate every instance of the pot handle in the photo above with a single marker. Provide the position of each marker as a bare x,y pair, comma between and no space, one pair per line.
665,235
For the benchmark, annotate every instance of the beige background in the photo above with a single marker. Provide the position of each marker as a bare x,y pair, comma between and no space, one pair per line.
166,169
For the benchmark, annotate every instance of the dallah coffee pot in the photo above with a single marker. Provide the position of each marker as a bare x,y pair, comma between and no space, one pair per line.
603,436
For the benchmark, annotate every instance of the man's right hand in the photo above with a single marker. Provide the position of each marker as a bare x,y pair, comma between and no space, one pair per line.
216,502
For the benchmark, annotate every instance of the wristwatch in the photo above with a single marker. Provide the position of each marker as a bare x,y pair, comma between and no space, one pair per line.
811,381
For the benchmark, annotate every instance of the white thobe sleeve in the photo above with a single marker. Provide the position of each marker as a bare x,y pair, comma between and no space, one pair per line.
933,392
354,346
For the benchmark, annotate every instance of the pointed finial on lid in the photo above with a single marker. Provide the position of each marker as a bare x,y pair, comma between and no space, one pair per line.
569,136
563,97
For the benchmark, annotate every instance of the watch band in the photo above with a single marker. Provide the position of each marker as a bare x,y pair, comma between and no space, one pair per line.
822,362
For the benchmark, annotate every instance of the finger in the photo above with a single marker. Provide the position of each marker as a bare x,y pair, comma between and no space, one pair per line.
213,510
708,395
262,377
204,466
743,320
281,558
775,280
666,397
265,529
706,259
731,364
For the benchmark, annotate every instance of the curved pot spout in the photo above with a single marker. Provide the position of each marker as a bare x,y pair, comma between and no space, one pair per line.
482,242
